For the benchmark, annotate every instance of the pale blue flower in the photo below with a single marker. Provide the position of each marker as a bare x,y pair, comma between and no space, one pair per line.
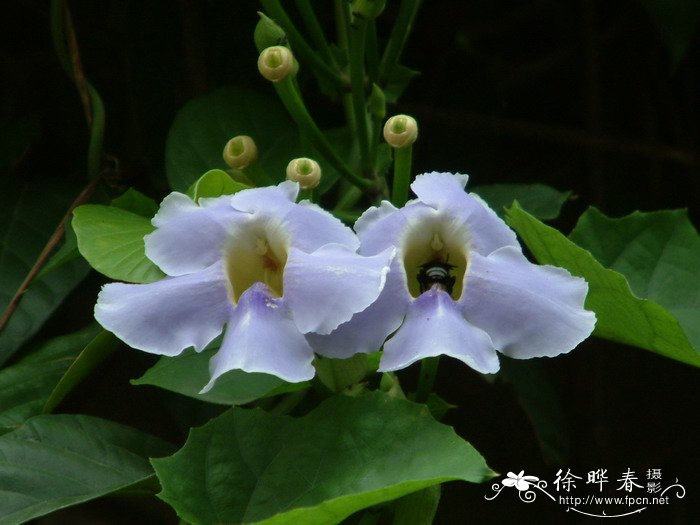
269,269
491,298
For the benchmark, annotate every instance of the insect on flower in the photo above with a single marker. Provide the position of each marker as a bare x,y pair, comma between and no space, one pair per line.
487,298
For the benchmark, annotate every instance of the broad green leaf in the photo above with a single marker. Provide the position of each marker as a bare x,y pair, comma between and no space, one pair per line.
111,240
188,373
621,316
136,202
54,461
203,127
348,454
677,21
214,183
101,346
28,216
658,253
26,385
540,200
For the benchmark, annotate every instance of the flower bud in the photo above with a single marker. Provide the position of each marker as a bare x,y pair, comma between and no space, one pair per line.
268,33
240,152
305,171
377,103
367,9
276,63
400,131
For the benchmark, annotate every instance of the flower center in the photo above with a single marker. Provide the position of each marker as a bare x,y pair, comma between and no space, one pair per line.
435,253
256,253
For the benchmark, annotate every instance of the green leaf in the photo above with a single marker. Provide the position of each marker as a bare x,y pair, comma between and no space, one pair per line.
54,461
539,200
111,240
25,386
188,373
101,346
214,183
136,202
678,21
622,316
658,253
203,127
348,454
28,216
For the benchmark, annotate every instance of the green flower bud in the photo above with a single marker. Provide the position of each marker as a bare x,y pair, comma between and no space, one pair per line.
276,63
268,33
240,152
305,171
377,103
368,9
400,131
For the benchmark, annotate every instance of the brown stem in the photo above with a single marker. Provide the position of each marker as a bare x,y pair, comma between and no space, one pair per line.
51,244
57,235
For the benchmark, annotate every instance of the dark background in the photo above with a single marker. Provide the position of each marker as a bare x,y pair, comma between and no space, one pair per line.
596,97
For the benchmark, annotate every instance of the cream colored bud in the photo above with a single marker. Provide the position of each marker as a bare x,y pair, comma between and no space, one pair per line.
240,152
305,171
400,131
276,63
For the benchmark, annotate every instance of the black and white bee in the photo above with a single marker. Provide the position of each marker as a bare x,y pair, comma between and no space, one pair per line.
436,272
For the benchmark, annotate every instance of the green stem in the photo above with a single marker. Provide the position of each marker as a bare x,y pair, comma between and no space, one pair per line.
348,199
426,379
397,40
357,80
289,402
311,21
349,217
296,108
93,105
402,175
97,132
372,51
300,46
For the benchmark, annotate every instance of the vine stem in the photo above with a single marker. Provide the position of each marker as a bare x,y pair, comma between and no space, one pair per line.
51,244
398,37
295,106
63,36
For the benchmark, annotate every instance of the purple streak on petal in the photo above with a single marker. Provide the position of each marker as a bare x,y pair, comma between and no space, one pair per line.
167,316
445,193
325,288
434,325
188,237
367,330
528,310
261,337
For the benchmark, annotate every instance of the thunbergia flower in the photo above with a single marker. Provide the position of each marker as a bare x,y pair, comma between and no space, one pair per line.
459,285
268,268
